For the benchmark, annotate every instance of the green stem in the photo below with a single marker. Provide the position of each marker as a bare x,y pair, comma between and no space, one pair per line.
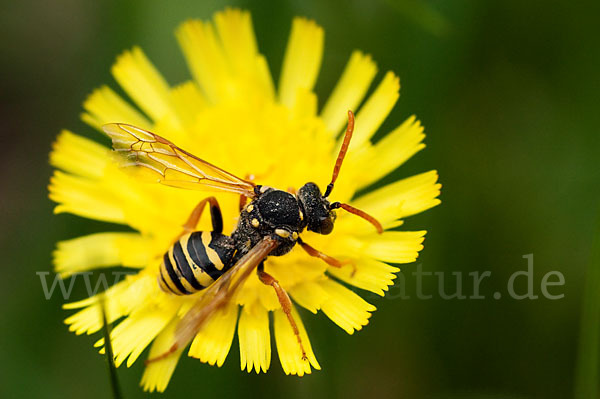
112,370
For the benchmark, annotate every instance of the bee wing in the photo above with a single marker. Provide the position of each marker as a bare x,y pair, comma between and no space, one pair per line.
172,165
218,295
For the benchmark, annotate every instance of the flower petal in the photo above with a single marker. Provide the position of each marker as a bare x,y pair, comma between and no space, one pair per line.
102,250
254,338
85,198
302,60
392,151
105,106
211,345
288,349
247,66
79,155
158,374
370,275
403,198
189,102
120,299
394,246
309,294
344,307
120,198
237,37
131,336
305,106
349,91
204,56
143,83
372,114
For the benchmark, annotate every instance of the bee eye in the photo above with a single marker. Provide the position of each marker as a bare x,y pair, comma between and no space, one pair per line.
326,226
319,218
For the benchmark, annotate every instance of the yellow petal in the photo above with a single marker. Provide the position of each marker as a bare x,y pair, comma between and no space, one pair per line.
102,250
237,37
288,348
211,345
372,114
79,155
105,106
131,336
403,198
204,56
254,338
88,320
302,60
143,83
305,105
344,307
119,300
349,91
118,197
394,246
264,77
393,150
189,102
85,198
309,294
158,374
370,275
239,45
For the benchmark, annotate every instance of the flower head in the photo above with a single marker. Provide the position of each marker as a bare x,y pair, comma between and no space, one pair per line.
233,115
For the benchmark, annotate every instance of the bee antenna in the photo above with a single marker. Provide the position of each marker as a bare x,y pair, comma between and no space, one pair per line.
359,213
342,154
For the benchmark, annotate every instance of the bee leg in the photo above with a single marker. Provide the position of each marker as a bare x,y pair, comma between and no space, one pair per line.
215,213
328,259
284,301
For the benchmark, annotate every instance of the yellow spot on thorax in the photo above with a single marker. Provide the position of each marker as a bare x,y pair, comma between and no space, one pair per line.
282,233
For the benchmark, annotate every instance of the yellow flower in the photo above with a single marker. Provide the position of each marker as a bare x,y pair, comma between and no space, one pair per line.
232,114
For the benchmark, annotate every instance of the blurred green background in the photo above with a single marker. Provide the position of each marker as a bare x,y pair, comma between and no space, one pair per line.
508,93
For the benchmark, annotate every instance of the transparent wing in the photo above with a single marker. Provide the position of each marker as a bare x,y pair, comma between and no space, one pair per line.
218,295
172,165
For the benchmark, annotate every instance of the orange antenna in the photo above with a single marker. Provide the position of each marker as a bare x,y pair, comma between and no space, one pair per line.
358,212
342,154
336,172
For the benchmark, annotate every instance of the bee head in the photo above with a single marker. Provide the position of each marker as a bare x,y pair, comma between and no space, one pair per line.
319,217
319,213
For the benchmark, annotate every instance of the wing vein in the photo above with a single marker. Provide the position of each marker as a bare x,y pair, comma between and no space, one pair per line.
144,148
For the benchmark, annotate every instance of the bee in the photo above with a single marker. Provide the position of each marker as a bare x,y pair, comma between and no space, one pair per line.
269,225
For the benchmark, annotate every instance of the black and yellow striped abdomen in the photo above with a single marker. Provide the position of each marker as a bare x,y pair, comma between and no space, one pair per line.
195,262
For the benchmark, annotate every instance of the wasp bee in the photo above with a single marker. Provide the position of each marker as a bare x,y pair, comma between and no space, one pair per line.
269,225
